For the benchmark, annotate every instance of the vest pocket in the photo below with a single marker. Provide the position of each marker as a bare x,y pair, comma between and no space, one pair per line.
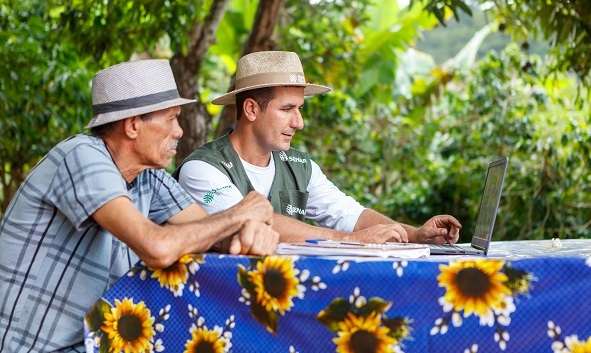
293,203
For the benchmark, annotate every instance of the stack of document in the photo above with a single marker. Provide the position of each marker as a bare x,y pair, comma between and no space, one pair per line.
330,248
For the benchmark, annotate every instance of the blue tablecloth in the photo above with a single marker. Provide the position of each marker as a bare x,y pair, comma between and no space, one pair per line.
525,297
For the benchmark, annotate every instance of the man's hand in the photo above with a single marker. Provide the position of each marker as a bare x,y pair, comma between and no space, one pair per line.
438,230
256,207
381,233
255,238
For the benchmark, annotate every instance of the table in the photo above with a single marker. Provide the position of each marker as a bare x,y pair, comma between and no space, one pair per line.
526,296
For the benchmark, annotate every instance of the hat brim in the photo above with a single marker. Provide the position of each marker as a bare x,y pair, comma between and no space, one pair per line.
309,90
106,118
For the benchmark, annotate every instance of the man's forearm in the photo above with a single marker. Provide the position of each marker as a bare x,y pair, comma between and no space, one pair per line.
371,217
291,230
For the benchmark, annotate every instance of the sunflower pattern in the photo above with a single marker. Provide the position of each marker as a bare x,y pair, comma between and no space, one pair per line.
485,288
269,286
225,303
215,340
362,327
568,344
344,264
126,327
174,277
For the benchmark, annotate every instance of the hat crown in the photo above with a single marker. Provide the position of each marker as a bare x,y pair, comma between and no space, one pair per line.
133,88
131,80
268,62
269,69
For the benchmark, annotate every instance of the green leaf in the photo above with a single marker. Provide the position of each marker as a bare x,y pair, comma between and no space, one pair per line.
244,280
334,313
269,319
374,305
466,58
96,315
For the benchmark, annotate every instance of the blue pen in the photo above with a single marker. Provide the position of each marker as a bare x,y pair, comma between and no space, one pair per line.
314,241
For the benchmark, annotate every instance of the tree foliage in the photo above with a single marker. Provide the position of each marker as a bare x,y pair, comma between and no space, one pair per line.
44,88
398,132
565,24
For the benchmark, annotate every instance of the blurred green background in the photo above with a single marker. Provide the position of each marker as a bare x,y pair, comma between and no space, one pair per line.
425,94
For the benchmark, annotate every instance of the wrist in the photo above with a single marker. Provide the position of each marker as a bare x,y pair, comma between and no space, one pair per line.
412,234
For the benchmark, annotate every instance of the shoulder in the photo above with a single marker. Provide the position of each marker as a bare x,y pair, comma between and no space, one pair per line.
197,169
81,144
78,152
211,151
215,145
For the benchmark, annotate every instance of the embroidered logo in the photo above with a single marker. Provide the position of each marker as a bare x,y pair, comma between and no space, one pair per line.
228,165
292,209
283,156
208,198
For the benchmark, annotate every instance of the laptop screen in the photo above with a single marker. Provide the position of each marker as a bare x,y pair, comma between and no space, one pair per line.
487,212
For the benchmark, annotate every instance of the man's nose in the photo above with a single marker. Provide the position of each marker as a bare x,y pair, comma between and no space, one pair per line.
178,130
297,122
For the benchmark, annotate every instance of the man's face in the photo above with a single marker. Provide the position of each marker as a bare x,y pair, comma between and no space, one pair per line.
158,138
279,122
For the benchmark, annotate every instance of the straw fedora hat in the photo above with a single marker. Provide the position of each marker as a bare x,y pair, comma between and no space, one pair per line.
133,88
269,69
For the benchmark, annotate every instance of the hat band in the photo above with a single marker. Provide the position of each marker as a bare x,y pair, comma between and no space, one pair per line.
271,79
135,102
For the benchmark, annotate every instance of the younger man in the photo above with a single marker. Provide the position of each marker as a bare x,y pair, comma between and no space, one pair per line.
270,90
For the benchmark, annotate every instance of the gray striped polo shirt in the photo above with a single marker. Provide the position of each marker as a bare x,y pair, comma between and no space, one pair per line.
55,261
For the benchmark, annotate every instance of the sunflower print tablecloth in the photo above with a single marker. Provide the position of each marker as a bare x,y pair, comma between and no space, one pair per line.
221,303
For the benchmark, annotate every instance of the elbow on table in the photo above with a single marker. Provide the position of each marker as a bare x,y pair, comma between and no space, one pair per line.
160,255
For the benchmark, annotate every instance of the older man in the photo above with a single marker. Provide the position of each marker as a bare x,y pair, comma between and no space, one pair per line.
98,203
270,90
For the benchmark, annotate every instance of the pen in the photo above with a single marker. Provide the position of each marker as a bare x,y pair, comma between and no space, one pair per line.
335,242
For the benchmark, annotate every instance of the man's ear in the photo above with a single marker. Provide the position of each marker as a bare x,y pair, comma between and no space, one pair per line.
250,109
132,126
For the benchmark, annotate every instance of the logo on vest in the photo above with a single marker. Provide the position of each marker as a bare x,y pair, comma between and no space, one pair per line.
208,198
228,165
285,158
292,209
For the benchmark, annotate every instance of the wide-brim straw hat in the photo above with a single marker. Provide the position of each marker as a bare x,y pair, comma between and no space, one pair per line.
133,88
269,69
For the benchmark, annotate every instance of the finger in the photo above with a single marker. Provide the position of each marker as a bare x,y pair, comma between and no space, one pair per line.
276,239
235,246
452,235
396,237
271,241
403,235
248,236
246,243
267,240
445,233
264,240
450,221
271,219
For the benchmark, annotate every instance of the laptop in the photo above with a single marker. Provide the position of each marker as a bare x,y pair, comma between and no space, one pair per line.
485,219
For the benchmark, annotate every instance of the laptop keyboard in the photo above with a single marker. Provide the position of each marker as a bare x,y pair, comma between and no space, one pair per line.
442,246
